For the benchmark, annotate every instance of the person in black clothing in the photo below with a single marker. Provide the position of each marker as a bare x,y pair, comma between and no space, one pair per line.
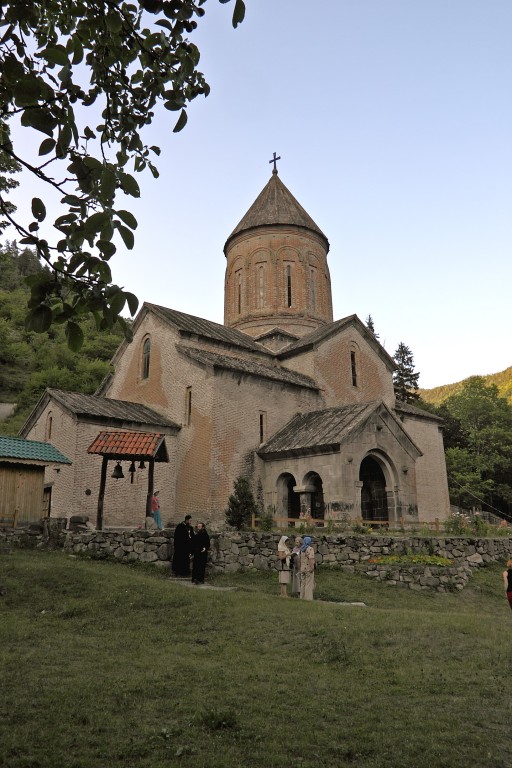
507,580
183,540
201,545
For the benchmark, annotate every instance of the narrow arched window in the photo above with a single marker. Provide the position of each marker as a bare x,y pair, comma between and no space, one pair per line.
261,286
188,406
289,285
239,292
353,367
49,425
312,293
146,355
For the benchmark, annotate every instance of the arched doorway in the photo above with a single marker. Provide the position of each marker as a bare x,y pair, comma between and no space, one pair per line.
288,502
314,481
374,502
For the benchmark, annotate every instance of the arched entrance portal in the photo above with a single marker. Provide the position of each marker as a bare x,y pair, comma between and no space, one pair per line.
314,481
374,502
288,502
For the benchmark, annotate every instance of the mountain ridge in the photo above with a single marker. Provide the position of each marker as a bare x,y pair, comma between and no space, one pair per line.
503,380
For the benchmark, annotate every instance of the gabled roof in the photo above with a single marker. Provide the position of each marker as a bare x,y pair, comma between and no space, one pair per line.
412,410
324,431
311,340
316,431
30,450
279,332
130,445
100,409
249,367
189,325
275,206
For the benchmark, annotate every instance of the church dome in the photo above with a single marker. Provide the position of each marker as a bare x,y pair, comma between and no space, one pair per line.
275,205
277,277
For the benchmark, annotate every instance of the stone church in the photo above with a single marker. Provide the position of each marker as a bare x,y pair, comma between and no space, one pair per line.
300,404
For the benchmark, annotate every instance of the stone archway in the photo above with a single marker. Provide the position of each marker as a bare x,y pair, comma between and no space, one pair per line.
374,500
288,501
314,483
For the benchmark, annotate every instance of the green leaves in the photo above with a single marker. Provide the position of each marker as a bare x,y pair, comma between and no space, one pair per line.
128,218
38,209
238,13
39,319
182,121
129,62
39,119
74,336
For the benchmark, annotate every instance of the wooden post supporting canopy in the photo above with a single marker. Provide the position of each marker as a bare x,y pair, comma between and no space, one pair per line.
151,485
101,496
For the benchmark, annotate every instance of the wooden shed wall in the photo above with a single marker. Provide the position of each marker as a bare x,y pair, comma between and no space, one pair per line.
21,488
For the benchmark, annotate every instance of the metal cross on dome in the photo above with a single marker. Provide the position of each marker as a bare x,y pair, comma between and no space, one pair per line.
274,160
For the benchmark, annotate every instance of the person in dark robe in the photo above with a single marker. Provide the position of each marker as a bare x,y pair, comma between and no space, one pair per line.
201,545
183,540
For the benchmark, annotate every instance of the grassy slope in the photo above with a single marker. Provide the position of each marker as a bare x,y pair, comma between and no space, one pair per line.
502,380
102,664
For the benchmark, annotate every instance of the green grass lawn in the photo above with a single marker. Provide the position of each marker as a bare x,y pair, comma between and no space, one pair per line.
109,665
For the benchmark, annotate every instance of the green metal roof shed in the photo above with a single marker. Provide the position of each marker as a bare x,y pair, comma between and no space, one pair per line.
22,490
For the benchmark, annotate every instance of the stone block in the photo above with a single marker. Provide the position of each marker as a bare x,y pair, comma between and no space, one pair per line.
163,552
148,557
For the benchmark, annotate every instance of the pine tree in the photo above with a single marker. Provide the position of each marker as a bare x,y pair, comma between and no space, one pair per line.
370,326
405,380
241,504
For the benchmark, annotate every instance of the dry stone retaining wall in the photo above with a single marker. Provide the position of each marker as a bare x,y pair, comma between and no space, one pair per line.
235,551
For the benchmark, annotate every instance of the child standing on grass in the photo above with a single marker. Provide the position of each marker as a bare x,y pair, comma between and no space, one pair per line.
283,565
507,580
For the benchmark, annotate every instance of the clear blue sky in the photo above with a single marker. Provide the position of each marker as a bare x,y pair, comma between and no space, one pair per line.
393,119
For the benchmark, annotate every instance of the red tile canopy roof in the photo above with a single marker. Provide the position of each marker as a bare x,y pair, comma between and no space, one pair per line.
130,445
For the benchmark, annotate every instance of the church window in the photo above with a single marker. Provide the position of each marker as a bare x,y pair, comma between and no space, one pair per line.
288,285
353,367
188,406
239,291
263,426
146,354
312,289
49,425
261,286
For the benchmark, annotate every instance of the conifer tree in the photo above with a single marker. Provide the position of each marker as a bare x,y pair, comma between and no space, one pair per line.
405,380
371,326
241,504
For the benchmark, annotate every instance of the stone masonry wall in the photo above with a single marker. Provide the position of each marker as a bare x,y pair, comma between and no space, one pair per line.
232,552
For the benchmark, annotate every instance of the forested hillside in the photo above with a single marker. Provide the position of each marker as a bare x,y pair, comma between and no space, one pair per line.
29,361
502,380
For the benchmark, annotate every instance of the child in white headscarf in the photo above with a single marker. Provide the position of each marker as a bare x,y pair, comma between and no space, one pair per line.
283,565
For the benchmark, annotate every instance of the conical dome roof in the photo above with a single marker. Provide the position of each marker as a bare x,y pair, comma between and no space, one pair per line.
274,206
